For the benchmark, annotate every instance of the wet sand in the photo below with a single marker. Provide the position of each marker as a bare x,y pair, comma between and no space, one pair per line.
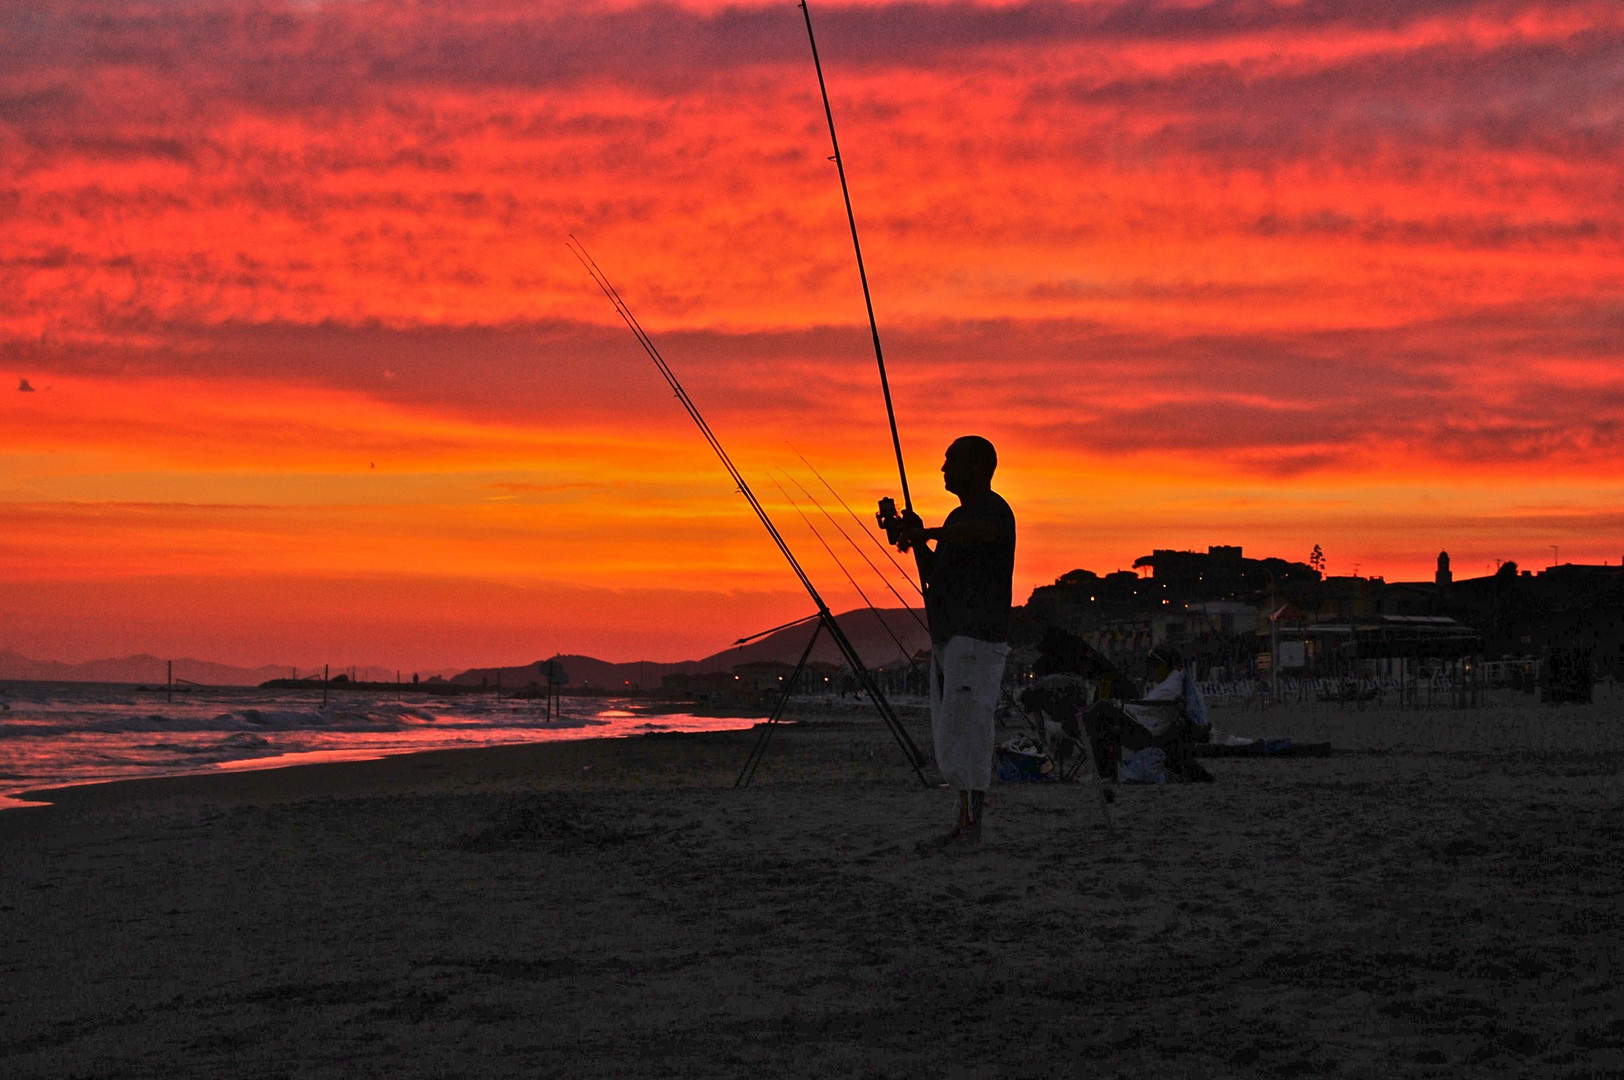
1439,898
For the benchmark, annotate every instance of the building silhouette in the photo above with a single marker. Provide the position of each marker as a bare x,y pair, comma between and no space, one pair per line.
1217,605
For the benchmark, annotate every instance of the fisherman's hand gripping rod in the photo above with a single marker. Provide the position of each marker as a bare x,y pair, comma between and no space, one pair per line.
895,524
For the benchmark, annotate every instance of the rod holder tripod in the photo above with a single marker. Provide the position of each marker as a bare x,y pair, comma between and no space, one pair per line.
827,624
748,773
825,619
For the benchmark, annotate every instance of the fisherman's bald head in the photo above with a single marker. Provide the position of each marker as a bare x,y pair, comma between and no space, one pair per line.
969,464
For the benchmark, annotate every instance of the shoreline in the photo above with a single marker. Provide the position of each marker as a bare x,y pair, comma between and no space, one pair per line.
311,769
233,741
69,736
1348,731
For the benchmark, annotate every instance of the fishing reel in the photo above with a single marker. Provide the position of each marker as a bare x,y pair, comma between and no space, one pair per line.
895,523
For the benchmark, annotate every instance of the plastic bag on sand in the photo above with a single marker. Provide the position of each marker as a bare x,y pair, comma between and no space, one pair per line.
1147,766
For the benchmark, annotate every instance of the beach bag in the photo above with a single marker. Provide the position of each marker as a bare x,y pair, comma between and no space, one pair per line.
1016,768
1021,762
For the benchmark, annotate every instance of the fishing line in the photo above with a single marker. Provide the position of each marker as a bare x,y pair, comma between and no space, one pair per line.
860,552
915,758
885,549
901,648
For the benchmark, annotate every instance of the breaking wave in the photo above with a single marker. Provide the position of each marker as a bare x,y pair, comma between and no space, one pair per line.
57,734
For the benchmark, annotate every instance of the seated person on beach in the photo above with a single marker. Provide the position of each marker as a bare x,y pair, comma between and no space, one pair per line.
1162,720
1176,685
1059,699
967,580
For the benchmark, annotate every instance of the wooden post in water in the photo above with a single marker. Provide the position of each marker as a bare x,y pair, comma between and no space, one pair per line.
169,682
552,692
324,672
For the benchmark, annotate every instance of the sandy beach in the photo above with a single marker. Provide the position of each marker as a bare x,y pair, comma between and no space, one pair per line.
1441,897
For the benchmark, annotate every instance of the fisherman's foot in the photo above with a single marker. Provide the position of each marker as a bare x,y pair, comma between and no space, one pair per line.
963,836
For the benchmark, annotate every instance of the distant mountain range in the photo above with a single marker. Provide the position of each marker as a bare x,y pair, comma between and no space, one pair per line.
875,637
152,669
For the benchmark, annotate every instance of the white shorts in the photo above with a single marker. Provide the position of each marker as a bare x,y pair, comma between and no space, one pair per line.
966,675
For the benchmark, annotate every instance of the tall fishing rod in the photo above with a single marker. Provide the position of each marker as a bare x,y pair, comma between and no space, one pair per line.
862,273
826,618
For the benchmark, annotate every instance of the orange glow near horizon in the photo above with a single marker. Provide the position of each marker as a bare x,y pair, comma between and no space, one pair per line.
289,285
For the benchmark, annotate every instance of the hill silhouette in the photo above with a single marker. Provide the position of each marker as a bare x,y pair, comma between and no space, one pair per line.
141,668
870,633
866,629
149,669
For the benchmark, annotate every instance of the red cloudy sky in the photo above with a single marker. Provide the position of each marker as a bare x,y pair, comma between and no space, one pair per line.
314,377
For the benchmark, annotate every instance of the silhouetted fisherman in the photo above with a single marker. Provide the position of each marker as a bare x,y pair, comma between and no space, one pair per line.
967,585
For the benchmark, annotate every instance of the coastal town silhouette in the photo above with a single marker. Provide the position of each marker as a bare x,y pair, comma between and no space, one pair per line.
1230,615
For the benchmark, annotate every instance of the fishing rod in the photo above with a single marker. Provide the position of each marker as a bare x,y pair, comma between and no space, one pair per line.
862,273
861,553
901,648
748,638
884,549
825,617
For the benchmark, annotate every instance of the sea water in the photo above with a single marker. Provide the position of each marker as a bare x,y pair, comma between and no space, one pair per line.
56,734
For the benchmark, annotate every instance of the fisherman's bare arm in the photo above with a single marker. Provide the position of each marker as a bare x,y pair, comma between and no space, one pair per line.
972,531
918,539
